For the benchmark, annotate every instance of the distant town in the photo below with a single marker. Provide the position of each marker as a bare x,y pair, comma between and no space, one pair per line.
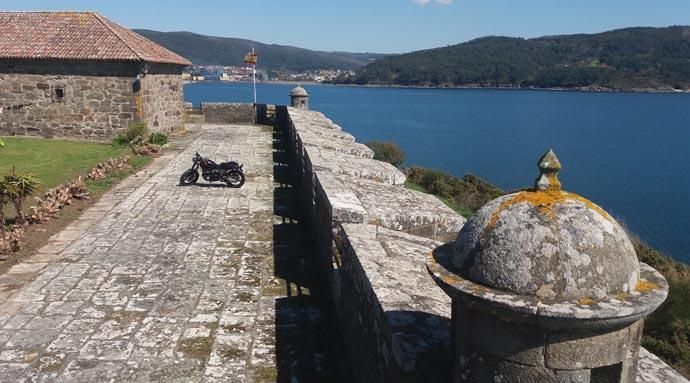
232,73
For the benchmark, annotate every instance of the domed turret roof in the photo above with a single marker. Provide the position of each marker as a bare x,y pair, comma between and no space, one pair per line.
547,243
298,91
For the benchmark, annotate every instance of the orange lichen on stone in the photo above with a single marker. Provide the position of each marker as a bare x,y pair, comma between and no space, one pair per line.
645,287
545,201
585,301
622,296
554,183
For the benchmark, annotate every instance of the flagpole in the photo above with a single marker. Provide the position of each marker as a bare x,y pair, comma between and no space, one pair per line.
254,78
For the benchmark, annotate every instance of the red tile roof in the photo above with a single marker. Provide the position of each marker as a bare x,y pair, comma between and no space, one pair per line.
76,36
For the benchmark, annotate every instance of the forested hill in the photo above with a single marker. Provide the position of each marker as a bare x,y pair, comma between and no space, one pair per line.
625,59
209,50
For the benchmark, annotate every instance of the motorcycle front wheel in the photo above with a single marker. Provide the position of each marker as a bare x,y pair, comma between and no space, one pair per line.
234,179
189,177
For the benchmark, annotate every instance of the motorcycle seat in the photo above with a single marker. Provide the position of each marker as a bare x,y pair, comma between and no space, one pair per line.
228,165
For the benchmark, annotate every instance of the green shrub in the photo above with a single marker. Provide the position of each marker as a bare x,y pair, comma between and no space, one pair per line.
120,140
387,152
475,192
667,330
468,193
441,188
137,133
158,138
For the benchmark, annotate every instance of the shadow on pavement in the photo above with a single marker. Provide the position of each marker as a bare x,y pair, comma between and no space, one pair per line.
309,346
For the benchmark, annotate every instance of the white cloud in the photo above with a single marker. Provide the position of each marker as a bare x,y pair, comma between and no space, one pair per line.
425,2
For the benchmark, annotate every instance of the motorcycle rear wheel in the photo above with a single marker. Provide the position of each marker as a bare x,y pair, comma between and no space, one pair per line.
189,177
235,179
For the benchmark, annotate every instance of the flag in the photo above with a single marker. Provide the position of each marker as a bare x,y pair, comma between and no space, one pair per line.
250,58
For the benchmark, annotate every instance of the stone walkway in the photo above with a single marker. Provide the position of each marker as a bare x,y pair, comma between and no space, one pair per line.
176,284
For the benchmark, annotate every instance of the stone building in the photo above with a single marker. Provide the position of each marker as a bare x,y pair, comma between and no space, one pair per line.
78,74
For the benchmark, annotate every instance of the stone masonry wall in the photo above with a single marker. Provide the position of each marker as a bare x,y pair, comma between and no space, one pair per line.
92,100
371,345
93,107
162,101
228,113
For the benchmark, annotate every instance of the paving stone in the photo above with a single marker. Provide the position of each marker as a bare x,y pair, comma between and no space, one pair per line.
157,282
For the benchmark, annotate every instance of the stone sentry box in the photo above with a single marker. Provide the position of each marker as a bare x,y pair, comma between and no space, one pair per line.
299,98
546,287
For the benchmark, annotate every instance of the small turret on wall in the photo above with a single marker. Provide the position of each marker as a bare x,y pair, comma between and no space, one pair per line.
299,98
545,287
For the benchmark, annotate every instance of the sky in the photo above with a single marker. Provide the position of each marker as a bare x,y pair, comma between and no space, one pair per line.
380,26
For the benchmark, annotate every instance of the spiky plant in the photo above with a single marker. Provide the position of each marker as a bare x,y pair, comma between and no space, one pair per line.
18,186
4,200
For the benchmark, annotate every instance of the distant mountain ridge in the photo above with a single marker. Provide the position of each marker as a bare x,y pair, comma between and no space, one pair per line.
625,59
210,50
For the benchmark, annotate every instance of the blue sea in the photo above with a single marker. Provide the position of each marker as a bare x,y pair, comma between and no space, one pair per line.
628,152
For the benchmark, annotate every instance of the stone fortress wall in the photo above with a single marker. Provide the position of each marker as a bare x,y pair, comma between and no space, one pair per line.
87,100
373,235
367,225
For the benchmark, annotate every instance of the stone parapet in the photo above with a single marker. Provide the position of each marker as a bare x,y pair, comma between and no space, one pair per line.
366,201
367,195
326,160
392,306
228,113
336,143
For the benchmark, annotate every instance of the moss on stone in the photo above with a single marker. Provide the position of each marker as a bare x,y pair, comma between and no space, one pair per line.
245,297
231,353
50,362
273,291
265,374
198,348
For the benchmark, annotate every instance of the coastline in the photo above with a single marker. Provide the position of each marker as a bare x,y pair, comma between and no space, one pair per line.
588,89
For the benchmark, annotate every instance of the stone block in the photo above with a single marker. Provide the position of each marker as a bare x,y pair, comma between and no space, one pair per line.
573,376
570,351
509,341
483,369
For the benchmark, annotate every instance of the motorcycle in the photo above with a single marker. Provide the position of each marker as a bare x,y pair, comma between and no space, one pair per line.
229,172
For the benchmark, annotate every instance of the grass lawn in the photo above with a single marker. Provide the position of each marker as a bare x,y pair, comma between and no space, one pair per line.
58,161
53,161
